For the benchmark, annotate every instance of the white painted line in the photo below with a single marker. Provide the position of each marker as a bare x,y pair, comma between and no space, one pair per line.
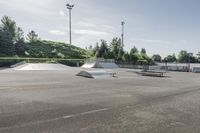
55,119
94,111
68,116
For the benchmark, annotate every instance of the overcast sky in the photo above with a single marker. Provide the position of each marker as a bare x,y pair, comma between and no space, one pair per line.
161,26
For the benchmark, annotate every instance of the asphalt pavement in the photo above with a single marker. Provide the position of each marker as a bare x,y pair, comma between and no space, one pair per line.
61,102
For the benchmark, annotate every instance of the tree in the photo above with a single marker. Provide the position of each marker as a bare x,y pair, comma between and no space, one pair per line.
32,36
20,44
134,55
156,58
6,45
103,50
20,47
117,49
9,26
19,34
183,56
134,50
12,36
126,57
198,56
170,58
143,51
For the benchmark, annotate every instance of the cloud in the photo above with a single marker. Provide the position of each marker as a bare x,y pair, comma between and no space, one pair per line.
90,32
183,41
85,24
57,32
61,13
108,27
152,41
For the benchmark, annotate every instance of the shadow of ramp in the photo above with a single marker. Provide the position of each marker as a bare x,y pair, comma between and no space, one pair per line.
96,74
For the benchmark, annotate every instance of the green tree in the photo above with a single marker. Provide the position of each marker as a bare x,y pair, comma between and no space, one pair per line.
96,50
9,26
170,58
183,56
20,47
104,50
117,49
19,34
126,57
134,55
143,51
6,45
134,50
32,36
20,43
198,56
156,58
15,35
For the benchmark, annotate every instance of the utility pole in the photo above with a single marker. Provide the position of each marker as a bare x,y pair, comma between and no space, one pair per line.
190,55
70,22
122,23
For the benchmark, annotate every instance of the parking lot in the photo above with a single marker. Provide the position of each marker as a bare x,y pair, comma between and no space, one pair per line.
60,102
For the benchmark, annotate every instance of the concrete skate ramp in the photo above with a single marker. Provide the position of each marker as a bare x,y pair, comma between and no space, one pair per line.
41,66
96,74
91,65
100,65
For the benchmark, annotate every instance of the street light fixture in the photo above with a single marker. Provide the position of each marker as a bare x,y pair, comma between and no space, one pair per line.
122,23
70,25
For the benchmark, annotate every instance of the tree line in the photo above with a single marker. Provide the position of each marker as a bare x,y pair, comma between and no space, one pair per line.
12,39
115,50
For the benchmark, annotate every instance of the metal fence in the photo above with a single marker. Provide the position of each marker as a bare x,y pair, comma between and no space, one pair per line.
101,60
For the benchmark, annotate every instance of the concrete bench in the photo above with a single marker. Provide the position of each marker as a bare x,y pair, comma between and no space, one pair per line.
151,73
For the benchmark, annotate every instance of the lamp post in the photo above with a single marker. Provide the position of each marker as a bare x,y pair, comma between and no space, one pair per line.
122,23
70,22
190,55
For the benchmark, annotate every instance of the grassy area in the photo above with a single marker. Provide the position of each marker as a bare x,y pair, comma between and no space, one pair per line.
50,49
49,52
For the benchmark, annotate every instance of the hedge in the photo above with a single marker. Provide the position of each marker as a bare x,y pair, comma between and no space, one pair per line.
7,62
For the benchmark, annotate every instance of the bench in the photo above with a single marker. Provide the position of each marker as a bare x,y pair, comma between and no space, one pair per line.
151,73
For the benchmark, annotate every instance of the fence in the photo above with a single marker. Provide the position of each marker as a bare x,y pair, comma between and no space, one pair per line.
101,60
133,66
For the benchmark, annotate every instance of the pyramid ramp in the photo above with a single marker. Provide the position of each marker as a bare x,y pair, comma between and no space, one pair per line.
100,65
40,66
96,74
89,65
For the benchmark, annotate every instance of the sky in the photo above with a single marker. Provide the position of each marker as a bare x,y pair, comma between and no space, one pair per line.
161,26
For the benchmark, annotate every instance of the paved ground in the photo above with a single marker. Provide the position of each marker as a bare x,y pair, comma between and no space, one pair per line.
60,102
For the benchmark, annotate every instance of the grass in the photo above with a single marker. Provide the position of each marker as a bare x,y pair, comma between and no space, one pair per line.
50,49
43,51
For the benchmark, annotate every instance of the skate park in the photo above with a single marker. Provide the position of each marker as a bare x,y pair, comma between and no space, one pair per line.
34,99
90,66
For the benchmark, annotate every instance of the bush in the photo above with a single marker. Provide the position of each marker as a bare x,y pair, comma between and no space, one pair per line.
6,62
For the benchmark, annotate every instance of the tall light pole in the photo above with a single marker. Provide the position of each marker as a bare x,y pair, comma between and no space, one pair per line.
190,55
70,22
122,23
